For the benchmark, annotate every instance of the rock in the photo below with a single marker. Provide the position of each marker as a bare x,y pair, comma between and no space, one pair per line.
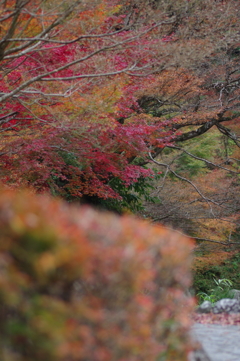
205,307
227,305
198,355
235,294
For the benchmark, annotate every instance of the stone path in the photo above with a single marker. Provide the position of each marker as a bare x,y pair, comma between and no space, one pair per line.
221,343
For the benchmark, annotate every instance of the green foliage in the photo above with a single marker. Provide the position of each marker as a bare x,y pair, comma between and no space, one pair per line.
203,147
132,196
214,283
223,283
77,284
202,296
222,290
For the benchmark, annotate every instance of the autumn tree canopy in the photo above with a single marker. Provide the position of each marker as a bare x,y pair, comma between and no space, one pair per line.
93,92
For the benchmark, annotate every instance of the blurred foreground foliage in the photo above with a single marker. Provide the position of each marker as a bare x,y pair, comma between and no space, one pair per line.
77,284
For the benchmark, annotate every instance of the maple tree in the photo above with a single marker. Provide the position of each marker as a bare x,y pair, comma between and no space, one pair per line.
89,89
63,140
199,189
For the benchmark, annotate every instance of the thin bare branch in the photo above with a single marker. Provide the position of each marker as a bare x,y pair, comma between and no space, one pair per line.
45,76
209,201
201,159
46,31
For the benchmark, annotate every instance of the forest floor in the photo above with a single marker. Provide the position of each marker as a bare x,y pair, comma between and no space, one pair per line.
217,319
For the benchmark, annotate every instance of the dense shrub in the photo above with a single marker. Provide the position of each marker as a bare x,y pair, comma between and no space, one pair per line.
78,285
